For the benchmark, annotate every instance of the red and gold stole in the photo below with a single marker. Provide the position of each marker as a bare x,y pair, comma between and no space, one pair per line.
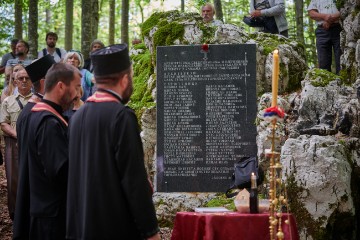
102,97
41,106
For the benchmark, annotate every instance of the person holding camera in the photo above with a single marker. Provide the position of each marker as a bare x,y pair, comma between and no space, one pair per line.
269,16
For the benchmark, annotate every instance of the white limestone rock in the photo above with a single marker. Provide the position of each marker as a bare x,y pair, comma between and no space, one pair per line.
325,110
148,136
168,204
321,168
230,34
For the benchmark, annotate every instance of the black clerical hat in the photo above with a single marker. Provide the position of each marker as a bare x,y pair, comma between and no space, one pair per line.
109,60
38,69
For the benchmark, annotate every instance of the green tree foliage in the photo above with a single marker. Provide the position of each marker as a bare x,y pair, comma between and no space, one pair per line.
52,15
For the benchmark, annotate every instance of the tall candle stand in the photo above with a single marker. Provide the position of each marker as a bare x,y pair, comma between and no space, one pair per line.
277,192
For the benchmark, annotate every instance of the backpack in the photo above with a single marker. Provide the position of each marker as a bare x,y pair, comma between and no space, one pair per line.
58,52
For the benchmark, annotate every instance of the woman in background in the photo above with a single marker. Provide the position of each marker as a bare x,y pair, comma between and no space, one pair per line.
11,84
95,45
77,104
76,59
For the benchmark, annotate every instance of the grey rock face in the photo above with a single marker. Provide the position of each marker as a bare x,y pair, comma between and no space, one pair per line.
322,171
325,110
350,60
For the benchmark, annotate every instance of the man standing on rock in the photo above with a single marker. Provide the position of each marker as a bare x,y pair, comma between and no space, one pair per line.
109,196
327,16
207,13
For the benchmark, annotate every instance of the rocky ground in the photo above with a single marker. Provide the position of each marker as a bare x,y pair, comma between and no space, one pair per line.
5,221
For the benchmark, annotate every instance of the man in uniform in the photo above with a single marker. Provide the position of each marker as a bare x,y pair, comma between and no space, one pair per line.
48,153
36,71
109,196
10,110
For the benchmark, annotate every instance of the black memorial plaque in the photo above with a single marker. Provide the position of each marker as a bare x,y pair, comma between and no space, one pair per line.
206,109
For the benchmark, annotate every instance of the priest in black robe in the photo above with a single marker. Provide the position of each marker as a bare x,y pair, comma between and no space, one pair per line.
48,153
109,196
36,71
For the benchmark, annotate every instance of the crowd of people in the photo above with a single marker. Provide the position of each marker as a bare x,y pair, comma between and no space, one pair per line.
269,16
74,170
73,155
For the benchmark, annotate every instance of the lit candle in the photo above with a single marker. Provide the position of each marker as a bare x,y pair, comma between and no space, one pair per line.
253,180
275,77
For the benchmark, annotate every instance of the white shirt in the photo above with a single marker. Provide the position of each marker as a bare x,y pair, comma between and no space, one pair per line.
323,6
54,54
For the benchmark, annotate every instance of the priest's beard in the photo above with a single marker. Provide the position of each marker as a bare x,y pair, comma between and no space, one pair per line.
20,54
128,91
66,102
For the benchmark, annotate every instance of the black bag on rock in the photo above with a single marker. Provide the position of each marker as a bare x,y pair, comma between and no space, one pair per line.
267,23
253,21
241,177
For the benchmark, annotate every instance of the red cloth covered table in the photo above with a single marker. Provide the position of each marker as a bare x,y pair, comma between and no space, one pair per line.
231,225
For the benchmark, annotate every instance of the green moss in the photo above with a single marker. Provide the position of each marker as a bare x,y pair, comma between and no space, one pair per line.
168,33
304,219
222,201
344,75
270,42
321,77
350,74
163,222
151,22
356,11
139,46
141,96
339,3
208,32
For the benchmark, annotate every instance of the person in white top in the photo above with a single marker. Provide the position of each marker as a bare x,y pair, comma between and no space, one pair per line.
326,15
57,53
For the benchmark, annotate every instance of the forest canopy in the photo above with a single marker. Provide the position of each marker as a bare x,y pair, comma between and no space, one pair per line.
107,20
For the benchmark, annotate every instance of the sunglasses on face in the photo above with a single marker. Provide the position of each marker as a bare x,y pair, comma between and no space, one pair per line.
23,78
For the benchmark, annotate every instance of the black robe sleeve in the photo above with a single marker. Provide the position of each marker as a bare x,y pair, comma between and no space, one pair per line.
130,161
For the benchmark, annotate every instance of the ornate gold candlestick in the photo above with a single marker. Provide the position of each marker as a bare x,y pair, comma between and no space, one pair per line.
277,190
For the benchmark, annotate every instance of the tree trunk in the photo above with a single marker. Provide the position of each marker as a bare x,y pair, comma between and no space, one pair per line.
18,19
182,5
48,15
85,27
125,21
33,28
69,27
311,47
299,13
94,19
218,10
111,22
